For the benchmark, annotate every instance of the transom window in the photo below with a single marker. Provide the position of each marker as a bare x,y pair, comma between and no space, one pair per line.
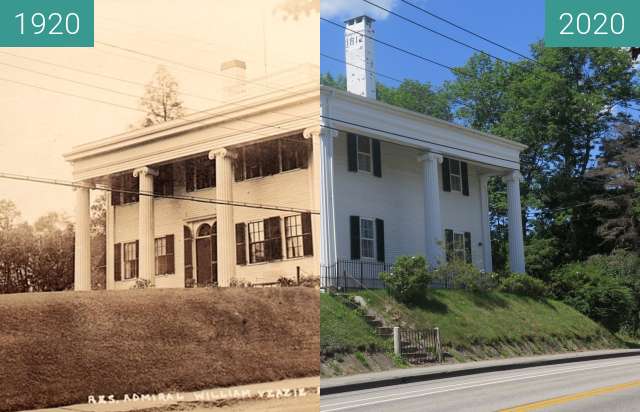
130,260
364,153
256,242
367,238
455,175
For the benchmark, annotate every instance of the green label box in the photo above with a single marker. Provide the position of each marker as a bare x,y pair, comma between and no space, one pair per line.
46,23
592,23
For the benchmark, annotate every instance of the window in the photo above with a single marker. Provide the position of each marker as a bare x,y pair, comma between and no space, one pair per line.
367,238
125,189
455,175
298,235
163,183
200,173
364,153
294,154
271,157
256,242
164,255
131,260
458,246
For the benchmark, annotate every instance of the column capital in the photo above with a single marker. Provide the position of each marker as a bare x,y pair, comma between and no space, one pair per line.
312,132
513,176
484,178
320,131
430,157
142,171
222,153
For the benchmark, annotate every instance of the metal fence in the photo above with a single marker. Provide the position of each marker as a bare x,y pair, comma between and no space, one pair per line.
354,274
419,346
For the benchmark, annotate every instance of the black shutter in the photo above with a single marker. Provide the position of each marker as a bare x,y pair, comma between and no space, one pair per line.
171,261
307,235
352,152
116,195
465,178
276,238
189,175
380,239
241,250
117,262
446,175
137,258
377,161
467,246
355,237
448,241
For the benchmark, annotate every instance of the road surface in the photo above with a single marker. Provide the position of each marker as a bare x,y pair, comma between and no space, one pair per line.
605,385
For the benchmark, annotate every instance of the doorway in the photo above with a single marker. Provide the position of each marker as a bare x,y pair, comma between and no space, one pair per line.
207,254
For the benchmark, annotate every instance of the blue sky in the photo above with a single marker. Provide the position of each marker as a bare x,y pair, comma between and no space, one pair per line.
516,24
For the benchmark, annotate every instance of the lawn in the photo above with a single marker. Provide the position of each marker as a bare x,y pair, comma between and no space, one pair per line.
342,330
60,348
480,325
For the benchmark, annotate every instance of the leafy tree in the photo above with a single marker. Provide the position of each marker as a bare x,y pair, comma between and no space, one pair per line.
99,242
418,97
160,100
340,82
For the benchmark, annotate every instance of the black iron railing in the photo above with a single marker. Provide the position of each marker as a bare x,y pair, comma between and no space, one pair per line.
354,274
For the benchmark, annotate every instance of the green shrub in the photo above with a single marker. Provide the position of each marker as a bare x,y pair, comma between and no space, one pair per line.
465,276
525,285
409,279
591,290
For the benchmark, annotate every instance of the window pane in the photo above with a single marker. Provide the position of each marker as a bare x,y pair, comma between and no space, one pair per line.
366,228
364,162
455,166
364,144
456,183
367,248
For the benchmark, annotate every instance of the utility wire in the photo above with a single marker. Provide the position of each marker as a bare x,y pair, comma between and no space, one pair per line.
66,183
468,31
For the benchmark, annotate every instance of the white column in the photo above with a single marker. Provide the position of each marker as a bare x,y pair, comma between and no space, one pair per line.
327,210
146,226
82,263
486,229
313,133
110,241
224,216
434,236
516,241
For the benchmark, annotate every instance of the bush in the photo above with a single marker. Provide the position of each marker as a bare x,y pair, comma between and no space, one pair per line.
409,279
525,285
590,289
465,276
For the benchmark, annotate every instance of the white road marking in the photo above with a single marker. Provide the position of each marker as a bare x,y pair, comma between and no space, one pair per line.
459,386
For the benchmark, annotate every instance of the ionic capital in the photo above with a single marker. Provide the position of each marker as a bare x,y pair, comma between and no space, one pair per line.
312,132
222,153
513,176
143,171
430,157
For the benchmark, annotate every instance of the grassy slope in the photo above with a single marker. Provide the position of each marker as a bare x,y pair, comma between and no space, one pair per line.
476,326
343,331
59,348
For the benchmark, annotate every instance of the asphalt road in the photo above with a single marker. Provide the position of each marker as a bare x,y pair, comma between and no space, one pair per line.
606,385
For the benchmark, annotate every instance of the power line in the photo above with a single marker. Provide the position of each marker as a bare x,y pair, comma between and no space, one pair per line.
66,183
407,19
417,139
468,31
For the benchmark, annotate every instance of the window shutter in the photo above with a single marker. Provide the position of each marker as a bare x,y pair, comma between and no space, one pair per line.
352,152
467,246
116,184
137,258
212,172
355,237
241,250
276,238
380,240
465,178
446,175
189,175
377,160
117,262
448,239
171,261
307,238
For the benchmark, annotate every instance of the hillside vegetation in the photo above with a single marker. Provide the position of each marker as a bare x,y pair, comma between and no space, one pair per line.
60,348
473,325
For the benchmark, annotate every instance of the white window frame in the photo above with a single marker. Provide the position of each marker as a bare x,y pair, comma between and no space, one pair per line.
252,256
368,154
459,253
368,239
125,275
160,251
455,176
294,237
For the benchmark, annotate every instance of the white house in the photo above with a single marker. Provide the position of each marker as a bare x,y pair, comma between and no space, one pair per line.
230,194
395,182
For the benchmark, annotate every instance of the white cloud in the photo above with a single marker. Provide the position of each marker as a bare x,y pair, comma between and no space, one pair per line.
346,9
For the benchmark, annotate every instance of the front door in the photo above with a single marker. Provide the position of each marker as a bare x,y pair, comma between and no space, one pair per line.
206,255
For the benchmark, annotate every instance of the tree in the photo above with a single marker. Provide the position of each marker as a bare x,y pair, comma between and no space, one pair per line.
340,82
99,242
417,97
297,8
160,100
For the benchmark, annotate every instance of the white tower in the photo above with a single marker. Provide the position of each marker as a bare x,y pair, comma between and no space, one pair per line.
358,36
